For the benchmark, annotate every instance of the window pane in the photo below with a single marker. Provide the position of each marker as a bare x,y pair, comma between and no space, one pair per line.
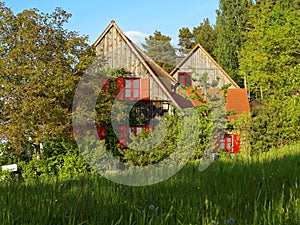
135,83
135,93
127,93
127,83
131,130
139,130
228,146
181,79
188,80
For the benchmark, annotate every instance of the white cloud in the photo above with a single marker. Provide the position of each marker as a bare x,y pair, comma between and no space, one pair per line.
136,36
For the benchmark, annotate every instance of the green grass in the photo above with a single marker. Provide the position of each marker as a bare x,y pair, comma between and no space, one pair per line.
259,190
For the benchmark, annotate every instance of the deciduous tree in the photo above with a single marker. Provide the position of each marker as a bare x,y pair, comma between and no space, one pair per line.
231,22
270,60
39,69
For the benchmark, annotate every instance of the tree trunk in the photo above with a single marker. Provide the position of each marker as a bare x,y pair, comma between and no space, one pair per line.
38,151
261,93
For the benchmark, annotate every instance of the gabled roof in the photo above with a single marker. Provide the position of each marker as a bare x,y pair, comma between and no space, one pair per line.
236,100
152,67
198,47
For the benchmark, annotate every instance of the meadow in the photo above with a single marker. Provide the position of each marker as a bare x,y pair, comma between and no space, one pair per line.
262,189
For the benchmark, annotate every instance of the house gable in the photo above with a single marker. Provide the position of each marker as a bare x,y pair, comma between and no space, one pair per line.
118,51
198,62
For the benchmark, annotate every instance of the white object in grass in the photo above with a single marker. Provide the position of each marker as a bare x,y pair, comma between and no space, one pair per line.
11,167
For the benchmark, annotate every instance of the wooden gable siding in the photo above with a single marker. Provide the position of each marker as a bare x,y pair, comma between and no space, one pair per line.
117,54
156,92
198,62
201,64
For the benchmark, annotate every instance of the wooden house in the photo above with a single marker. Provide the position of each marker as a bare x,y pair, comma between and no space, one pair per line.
199,69
198,63
145,81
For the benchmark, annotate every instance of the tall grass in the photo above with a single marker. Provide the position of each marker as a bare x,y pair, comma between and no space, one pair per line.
260,190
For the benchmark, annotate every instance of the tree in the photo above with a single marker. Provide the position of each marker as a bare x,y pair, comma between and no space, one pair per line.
270,60
186,40
204,34
231,22
39,71
159,48
270,57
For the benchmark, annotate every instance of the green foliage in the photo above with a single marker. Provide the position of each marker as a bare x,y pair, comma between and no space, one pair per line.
148,147
276,125
186,40
204,34
38,75
270,60
159,48
263,190
270,56
60,158
232,16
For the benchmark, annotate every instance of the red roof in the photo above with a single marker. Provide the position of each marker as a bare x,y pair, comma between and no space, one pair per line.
236,100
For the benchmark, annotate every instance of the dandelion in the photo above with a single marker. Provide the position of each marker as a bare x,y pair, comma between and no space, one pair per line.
156,209
151,207
230,221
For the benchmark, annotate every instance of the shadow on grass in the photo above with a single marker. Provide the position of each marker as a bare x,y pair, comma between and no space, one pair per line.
257,192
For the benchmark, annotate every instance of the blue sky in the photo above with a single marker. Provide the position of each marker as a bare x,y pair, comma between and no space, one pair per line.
136,18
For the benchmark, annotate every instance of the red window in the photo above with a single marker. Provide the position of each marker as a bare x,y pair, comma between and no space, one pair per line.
230,142
185,79
132,89
138,129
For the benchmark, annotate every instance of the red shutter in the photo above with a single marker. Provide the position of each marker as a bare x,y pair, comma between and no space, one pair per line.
104,82
72,132
147,128
101,132
121,88
145,89
236,143
123,137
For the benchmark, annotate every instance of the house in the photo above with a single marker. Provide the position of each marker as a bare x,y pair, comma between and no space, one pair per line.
199,69
198,63
144,82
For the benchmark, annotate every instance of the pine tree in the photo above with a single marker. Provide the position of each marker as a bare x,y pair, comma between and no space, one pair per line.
203,34
159,48
186,40
206,35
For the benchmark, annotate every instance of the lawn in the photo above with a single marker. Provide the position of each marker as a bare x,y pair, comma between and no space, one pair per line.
258,190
